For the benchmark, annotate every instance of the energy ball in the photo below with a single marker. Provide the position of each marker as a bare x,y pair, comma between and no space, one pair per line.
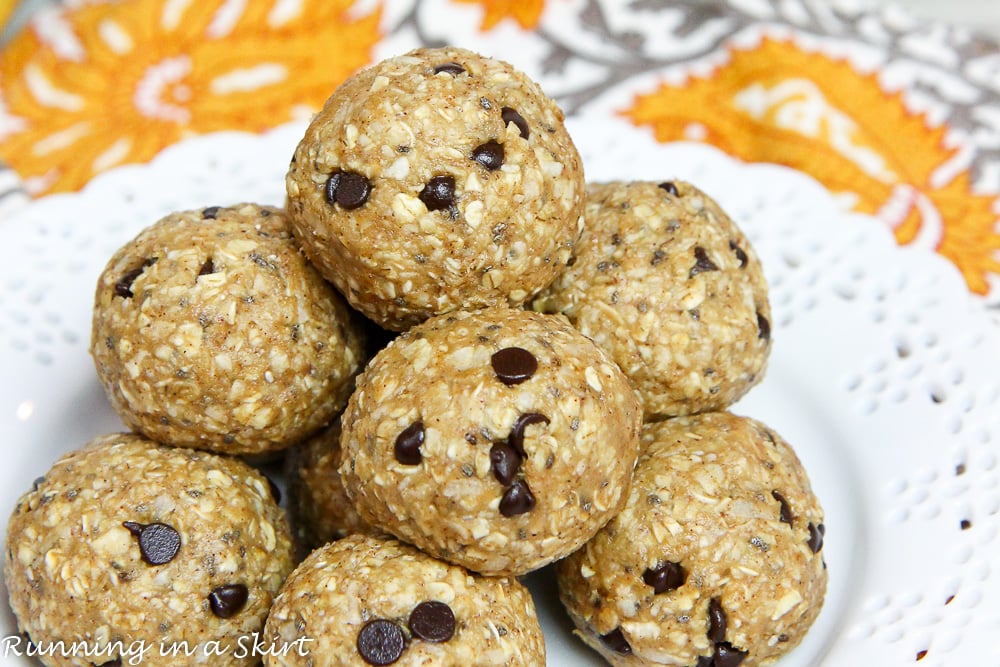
436,181
667,284
499,440
129,546
320,509
715,560
210,330
369,601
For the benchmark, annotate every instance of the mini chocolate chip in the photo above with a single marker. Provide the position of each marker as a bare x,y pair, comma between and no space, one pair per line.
666,577
965,524
517,499
763,327
921,654
511,116
785,515
505,462
782,638
450,68
117,662
670,188
513,365
381,642
408,444
349,189
432,621
516,437
716,621
616,641
439,193
210,213
726,655
816,537
740,255
226,601
489,155
38,482
158,542
702,263
207,268
704,661
123,287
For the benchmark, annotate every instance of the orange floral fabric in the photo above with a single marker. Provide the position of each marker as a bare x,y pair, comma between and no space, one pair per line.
143,74
779,103
526,12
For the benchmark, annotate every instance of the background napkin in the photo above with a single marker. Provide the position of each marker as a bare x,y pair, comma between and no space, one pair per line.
900,118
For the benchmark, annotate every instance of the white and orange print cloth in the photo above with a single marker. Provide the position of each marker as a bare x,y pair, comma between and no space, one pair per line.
900,119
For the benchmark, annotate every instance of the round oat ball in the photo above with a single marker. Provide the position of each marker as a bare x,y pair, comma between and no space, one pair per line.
436,181
211,330
499,440
375,601
667,284
715,560
320,509
126,545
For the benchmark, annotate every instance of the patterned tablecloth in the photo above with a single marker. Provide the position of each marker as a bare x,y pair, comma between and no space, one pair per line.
901,119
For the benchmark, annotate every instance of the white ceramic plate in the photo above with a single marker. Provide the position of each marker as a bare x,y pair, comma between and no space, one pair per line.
884,377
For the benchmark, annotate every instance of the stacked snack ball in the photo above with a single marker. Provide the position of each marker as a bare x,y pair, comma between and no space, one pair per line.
669,286
499,439
210,330
375,601
127,544
715,560
436,181
320,509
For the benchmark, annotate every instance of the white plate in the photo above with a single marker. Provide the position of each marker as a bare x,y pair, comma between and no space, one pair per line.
884,377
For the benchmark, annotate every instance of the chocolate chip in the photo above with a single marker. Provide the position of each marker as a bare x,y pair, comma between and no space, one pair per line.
38,482
740,255
965,524
816,537
210,213
489,155
123,287
763,327
408,444
432,621
381,642
505,462
727,656
516,437
670,188
348,189
226,601
117,662
450,68
158,542
702,263
511,116
517,499
785,514
666,577
616,641
439,193
716,621
513,365
207,268
704,661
